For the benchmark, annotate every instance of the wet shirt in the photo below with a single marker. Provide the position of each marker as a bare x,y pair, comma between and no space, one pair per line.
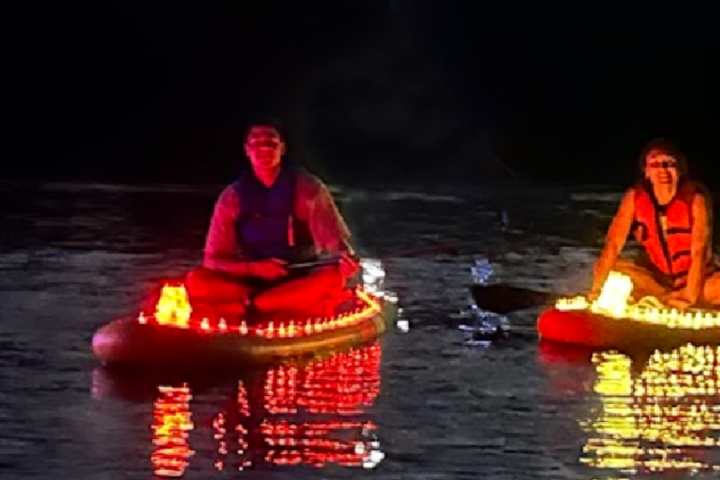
314,205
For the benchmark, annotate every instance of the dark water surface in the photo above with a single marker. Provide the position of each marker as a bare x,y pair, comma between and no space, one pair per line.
75,256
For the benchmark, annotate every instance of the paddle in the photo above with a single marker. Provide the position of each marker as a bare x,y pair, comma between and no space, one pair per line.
498,298
315,263
399,253
504,299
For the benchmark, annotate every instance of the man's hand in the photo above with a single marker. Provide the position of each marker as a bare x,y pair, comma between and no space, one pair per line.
269,269
349,265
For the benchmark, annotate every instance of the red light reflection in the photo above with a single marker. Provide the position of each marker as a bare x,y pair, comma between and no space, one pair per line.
313,414
171,425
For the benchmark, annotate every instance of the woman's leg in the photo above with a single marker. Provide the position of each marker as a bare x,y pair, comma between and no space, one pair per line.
645,281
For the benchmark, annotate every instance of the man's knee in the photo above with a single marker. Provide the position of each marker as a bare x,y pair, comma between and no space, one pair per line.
203,282
302,293
195,275
197,280
330,278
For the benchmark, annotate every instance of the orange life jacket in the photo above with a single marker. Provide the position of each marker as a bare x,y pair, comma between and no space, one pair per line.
670,252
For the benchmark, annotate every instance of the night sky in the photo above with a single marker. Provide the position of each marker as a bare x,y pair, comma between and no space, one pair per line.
368,91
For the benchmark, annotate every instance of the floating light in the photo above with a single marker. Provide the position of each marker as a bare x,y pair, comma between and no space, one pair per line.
173,307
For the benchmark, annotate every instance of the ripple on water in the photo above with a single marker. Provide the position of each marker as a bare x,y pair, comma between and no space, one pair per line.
443,410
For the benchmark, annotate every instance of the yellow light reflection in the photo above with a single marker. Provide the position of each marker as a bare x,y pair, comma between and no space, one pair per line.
664,418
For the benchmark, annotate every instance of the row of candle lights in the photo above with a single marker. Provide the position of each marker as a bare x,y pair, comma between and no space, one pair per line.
174,309
614,302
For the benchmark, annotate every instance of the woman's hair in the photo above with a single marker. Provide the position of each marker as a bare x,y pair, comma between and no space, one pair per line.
660,145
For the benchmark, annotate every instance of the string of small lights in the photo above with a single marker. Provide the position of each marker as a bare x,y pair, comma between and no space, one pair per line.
614,302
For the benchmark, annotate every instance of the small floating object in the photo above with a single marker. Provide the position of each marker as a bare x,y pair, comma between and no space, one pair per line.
485,329
403,325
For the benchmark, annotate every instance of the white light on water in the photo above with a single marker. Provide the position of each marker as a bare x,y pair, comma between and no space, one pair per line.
481,271
373,275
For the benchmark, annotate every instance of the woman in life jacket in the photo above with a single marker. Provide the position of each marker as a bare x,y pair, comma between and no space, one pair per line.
670,216
275,214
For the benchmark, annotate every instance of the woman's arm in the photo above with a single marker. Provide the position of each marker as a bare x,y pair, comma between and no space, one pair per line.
614,243
702,226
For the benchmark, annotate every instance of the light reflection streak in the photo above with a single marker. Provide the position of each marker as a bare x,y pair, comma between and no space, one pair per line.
663,418
172,422
314,414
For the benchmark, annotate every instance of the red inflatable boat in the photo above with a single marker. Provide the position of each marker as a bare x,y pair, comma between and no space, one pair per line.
178,336
613,322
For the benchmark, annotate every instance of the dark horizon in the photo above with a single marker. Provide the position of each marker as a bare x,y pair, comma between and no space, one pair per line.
375,93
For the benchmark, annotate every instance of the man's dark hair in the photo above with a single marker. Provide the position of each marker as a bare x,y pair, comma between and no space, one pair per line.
267,121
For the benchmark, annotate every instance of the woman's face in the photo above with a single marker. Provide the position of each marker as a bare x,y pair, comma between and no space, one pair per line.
661,168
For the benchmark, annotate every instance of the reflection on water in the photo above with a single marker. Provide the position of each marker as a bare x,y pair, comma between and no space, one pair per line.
74,258
314,414
172,422
665,417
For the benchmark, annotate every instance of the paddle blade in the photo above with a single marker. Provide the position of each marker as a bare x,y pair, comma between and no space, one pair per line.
504,299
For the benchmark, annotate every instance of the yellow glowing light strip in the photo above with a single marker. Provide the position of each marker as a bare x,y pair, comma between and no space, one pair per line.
613,302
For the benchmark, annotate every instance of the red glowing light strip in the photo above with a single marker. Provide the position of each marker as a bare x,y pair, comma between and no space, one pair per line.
291,328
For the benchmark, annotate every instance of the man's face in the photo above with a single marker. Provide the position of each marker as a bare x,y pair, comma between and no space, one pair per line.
264,147
661,168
